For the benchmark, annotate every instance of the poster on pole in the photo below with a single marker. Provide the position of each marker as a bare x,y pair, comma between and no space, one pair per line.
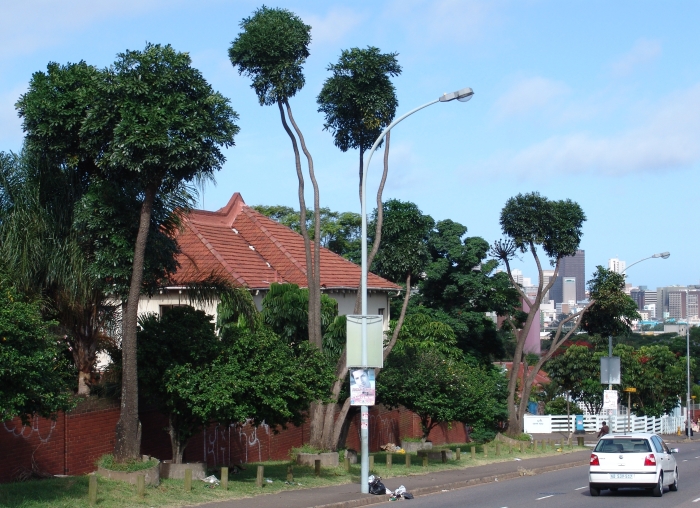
610,399
362,387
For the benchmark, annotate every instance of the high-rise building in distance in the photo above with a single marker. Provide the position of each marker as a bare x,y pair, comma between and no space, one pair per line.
574,267
616,265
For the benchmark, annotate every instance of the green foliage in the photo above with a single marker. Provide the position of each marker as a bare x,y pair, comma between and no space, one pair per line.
557,406
460,286
658,375
156,120
481,435
285,311
359,100
130,466
271,50
577,371
613,310
427,374
182,337
257,378
340,231
34,376
404,249
531,219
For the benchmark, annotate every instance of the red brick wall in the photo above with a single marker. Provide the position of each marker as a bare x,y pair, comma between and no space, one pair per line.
72,443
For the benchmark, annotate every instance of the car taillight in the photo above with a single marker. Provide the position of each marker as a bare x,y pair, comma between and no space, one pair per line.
594,460
650,460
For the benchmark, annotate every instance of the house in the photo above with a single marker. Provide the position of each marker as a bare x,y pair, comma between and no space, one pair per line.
253,251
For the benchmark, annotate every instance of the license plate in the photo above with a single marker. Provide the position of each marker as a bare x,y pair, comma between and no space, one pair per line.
621,476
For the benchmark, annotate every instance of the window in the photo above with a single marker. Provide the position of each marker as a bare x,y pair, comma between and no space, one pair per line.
164,309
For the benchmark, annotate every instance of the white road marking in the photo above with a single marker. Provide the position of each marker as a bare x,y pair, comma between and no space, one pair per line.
696,500
544,497
580,488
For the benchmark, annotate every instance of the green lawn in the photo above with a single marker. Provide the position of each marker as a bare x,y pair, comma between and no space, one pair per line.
72,492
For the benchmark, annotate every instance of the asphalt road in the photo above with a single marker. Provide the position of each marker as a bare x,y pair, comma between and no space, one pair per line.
569,488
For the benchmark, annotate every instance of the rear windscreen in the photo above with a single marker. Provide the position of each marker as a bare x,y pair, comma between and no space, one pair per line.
623,445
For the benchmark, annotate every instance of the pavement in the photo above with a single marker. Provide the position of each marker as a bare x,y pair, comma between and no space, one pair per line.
349,495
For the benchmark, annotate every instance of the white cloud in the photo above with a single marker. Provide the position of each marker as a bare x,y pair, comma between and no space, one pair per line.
34,24
664,139
643,51
335,25
528,94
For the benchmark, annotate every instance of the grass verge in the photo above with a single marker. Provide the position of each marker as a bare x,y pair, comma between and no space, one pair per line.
73,491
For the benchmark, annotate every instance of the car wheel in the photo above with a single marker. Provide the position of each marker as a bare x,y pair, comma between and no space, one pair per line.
659,489
674,486
595,491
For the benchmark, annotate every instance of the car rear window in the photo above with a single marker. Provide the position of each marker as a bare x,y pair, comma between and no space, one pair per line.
623,445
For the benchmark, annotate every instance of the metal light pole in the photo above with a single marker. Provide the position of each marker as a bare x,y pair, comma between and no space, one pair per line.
687,361
462,95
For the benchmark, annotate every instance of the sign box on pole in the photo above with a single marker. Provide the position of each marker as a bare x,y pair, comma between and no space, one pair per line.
610,370
375,341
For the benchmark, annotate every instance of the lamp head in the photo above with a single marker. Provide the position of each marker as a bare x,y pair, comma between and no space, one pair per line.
462,95
662,255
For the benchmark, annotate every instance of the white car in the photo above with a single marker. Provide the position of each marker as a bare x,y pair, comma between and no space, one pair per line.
632,460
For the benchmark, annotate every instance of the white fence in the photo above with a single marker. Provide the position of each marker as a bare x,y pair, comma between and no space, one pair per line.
547,424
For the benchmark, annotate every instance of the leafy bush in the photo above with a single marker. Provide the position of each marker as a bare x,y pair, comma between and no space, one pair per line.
558,407
482,435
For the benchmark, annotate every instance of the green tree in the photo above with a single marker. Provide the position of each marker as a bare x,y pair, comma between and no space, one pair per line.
573,370
34,377
429,375
271,50
531,222
658,375
460,287
157,124
359,99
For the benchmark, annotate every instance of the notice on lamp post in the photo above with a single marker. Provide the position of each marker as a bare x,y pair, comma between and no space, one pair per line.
362,387
609,399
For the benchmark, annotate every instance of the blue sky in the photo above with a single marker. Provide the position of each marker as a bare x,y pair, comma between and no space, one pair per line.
594,101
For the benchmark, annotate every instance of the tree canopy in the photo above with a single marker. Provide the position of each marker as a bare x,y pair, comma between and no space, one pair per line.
271,49
359,99
428,374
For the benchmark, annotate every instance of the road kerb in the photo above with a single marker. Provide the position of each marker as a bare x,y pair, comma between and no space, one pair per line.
433,489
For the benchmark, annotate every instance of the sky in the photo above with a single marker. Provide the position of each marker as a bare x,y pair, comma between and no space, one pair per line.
595,101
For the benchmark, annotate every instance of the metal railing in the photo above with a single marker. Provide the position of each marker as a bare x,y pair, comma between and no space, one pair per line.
592,423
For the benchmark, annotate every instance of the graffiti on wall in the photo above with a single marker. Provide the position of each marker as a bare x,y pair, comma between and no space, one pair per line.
27,431
217,442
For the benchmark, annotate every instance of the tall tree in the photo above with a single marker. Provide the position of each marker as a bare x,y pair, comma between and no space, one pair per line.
155,122
529,221
271,49
359,102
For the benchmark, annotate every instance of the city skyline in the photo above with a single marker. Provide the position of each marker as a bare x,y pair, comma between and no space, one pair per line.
597,102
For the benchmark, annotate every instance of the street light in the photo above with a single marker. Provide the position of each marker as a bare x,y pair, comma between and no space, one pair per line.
462,95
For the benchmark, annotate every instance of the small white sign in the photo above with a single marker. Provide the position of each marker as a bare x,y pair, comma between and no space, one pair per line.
538,424
609,399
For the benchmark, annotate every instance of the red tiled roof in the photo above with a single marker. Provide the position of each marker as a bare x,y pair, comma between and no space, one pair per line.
254,251
541,378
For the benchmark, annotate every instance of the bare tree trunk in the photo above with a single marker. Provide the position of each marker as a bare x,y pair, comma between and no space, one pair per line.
315,289
128,433
302,223
178,449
